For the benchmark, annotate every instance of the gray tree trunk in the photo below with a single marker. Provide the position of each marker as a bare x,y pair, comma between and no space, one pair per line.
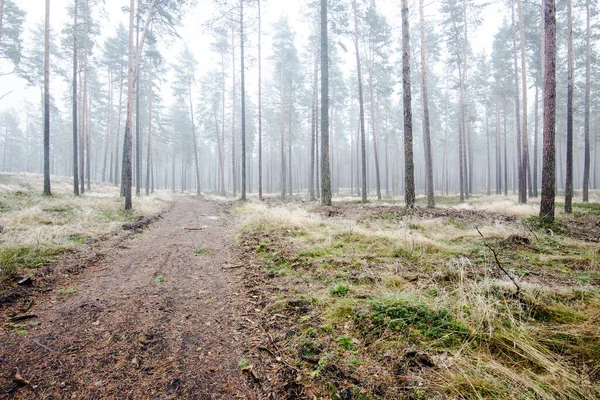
408,139
325,166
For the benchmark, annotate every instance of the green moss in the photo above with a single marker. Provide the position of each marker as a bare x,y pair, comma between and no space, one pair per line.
403,314
14,259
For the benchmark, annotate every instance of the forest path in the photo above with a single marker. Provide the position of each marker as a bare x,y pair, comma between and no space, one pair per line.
156,318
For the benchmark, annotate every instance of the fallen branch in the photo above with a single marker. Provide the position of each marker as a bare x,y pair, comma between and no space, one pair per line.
233,267
498,263
22,317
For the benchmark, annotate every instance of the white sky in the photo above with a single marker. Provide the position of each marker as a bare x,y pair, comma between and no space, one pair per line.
199,41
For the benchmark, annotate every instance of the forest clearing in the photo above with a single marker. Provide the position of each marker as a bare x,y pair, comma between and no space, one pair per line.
300,199
268,299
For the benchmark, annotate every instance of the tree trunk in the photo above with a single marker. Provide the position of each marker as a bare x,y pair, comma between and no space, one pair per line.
525,168
569,178
222,143
198,188
549,160
313,130
361,106
374,130
243,90
425,100
127,139
108,137
260,161
520,167
233,109
535,142
138,131
75,133
149,150
586,129
498,151
47,189
408,139
325,167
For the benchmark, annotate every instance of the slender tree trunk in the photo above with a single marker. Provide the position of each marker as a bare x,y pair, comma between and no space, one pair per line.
260,160
461,126
325,166
525,169
243,90
374,130
313,130
549,161
127,140
196,161
520,166
586,129
425,100
505,150
535,142
408,139
569,178
118,139
498,151
361,106
47,189
222,144
149,150
489,157
108,137
233,112
75,133
138,131
282,173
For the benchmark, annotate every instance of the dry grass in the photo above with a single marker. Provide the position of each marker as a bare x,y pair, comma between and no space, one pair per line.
30,220
441,293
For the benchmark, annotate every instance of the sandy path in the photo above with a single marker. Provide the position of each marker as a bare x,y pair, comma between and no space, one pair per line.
152,320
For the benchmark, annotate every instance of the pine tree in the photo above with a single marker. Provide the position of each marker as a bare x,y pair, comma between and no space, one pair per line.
549,160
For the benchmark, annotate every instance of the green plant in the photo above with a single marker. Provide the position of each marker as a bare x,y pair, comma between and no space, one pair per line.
402,314
159,279
341,289
345,342
203,252
67,291
244,364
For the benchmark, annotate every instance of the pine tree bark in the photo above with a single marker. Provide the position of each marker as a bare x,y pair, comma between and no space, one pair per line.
363,143
549,159
535,142
127,139
47,188
586,123
138,130
569,177
425,100
409,195
149,149
233,115
325,166
75,133
313,130
525,168
243,90
520,167
260,154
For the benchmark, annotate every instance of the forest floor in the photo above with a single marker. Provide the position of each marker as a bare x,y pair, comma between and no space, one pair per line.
212,299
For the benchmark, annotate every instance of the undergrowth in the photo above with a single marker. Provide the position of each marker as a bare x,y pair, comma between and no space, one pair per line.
410,307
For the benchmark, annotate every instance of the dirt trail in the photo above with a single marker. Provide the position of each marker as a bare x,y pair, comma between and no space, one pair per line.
152,320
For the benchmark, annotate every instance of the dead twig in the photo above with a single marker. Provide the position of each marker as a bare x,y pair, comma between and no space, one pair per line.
530,230
498,263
